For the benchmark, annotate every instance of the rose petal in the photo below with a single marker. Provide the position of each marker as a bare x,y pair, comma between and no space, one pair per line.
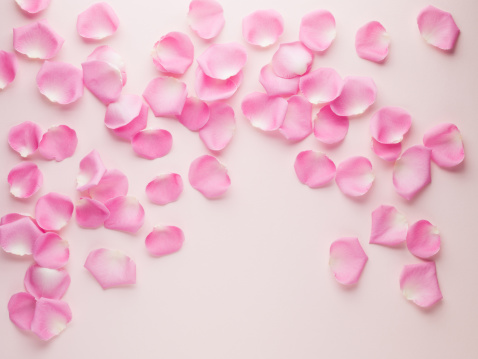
60,82
103,79
209,89
8,68
209,176
330,128
278,86
438,27
126,214
389,124
153,143
164,240
358,94
347,260
127,116
51,251
21,308
25,179
419,283
411,172
389,226
173,53
114,183
91,213
111,268
58,143
107,54
18,235
262,27
25,137
372,42
264,112
317,30
165,189
33,6
53,211
195,114
355,176
423,239
92,170
291,60
12,217
222,61
218,131
446,145
387,152
51,318
297,123
321,86
97,22
314,168
166,96
37,40
46,283
206,18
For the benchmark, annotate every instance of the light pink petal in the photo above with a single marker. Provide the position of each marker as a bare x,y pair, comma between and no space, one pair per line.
173,53
330,128
389,226
389,124
37,40
46,283
114,183
127,116
423,239
264,112
25,179
314,168
165,189
292,60
53,211
51,318
103,79
372,41
195,114
262,27
218,131
91,213
164,240
438,27
209,176
111,268
92,170
18,234
321,86
278,86
107,54
411,172
126,214
33,6
25,138
206,18
58,143
222,61
60,82
358,94
419,283
166,96
355,176
446,145
209,89
97,22
387,152
347,260
21,308
297,123
8,68
152,143
51,251
317,30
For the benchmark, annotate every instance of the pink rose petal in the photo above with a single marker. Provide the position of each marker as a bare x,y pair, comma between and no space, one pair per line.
51,318
21,308
53,211
195,114
25,138
37,40
389,124
153,143
264,112
355,176
358,94
297,123
206,18
18,234
33,6
8,68
164,240
209,176
92,170
423,239
51,251
107,54
218,131
438,27
347,260
387,152
389,226
222,61
314,168
60,82
173,53
372,42
97,22
58,143
165,189
446,145
278,86
262,27
12,217
114,183
103,79
46,283
127,116
330,128
292,60
91,213
411,172
166,96
25,179
419,283
209,89
321,85
111,268
126,214
317,30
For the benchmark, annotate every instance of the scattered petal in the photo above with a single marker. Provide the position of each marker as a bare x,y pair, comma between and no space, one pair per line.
60,82
12,217
278,86
25,179
51,318
444,140
18,234
355,176
97,22
388,152
126,214
21,308
297,123
127,116
292,60
222,61
389,124
165,189
438,28
25,138
347,260
92,170
53,211
389,226
195,114
107,54
419,283
91,213
114,183
37,40
314,168
111,268
209,176
411,172
264,112
103,79
166,96
358,94
330,128
33,6
209,89
164,240
51,251
218,131
206,18
58,143
153,143
262,27
8,68
46,283
423,239
173,53
317,30
321,86
372,42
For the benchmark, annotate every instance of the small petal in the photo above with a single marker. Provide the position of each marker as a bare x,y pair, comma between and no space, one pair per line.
58,143
92,170
419,283
209,176
60,82
164,240
166,96
314,168
8,68
21,308
264,112
262,27
387,152
438,28
358,94
165,189
103,79
218,131
107,54
111,268
173,53
53,211
423,239
126,214
25,138
347,260
151,144
297,123
278,86
317,30
46,283
372,42
222,61
389,124
127,116
25,179
33,6
97,22
292,60
330,128
91,213
195,114
206,18
18,234
51,251
389,226
355,176
51,318
114,183
321,86
446,145
411,172
209,89
37,40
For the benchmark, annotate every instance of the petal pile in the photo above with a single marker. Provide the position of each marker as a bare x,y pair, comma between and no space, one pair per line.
423,239
446,145
46,283
18,234
209,176
389,124
60,82
25,138
126,214
291,60
354,176
195,114
37,40
330,128
210,89
114,183
173,53
97,22
314,168
25,179
222,61
91,213
51,318
317,30
372,42
164,240
92,170
53,211
8,68
206,18
297,123
127,116
438,28
358,94
219,129
264,112
419,283
262,27
107,54
322,85
389,226
411,172
51,251
347,260
165,189
166,96
278,86
33,6
151,144
58,143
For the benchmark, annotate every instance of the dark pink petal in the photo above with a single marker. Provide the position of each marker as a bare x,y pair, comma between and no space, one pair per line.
209,176
411,172
97,22
53,211
206,18
389,124
347,260
51,318
419,283
33,6
292,60
321,86
357,95
297,123
317,30
107,54
91,213
218,131
389,152
264,112
195,114
103,79
25,137
446,145
330,128
58,143
355,176
126,214
46,283
173,53
60,82
37,40
314,168
438,27
423,239
278,86
209,89
21,308
262,27
114,183
164,240
372,41
222,61
111,268
8,68
51,251
127,116
92,170
166,96
151,144
165,189
18,234
389,226
25,179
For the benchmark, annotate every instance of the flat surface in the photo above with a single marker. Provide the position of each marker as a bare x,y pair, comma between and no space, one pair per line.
252,280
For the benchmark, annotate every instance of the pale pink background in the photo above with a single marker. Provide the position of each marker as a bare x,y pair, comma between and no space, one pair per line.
252,280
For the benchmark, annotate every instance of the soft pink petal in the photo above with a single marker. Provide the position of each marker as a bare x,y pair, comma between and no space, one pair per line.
91,213
446,145
355,176
206,18
278,86
37,40
330,128
195,114
419,283
209,89
387,152
297,123
126,214
264,112
165,189
46,283
107,54
314,168
97,22
21,308
222,61
411,172
292,60
111,268
438,27
321,85
389,124
173,53
25,138
389,226
262,27
60,82
51,251
347,260
372,42
164,240
166,96
33,6
53,211
358,94
103,79
152,143
209,176
92,170
423,239
18,234
8,68
317,30
127,116
25,179
58,143
218,131
51,318
114,183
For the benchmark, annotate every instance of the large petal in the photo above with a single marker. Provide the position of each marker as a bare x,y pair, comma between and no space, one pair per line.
195,114
321,85
46,283
222,61
423,239
219,129
411,172
209,89
262,27
153,143
389,124
164,240
358,94
60,82
58,143
389,226
446,145
297,123
166,96
317,30
330,128
21,308
53,211
18,235
388,152
438,27
91,213
126,214
355,176
419,283
264,112
314,168
37,40
372,42
209,176
165,189
33,6
114,183
103,79
8,68
92,170
25,138
127,116
51,318
206,18
51,251
173,53
347,260
25,179
292,60
278,86
97,22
